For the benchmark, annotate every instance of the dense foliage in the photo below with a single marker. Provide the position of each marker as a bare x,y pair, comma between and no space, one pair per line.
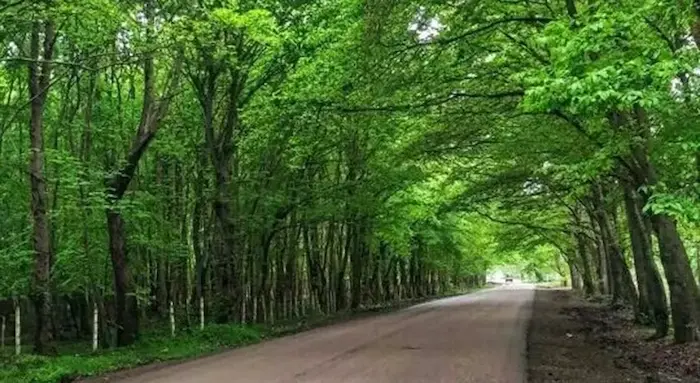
272,158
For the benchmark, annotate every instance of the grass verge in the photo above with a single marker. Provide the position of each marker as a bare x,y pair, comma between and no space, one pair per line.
152,348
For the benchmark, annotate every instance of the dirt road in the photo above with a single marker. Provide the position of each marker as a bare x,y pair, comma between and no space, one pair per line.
473,338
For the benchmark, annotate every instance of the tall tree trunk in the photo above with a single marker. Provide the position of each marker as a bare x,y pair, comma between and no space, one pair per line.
581,251
39,82
198,216
574,275
317,277
340,291
118,182
682,286
356,265
586,275
685,296
221,149
624,290
651,290
126,304
292,269
641,260
281,275
601,258
593,249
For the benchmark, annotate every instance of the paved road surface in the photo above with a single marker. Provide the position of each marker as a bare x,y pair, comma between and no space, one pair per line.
473,338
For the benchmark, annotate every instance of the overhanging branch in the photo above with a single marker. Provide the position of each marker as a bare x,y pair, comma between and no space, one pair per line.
425,104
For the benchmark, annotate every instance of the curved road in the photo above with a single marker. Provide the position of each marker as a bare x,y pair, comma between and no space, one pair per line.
472,338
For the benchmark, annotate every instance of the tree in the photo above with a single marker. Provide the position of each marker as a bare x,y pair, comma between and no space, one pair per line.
41,49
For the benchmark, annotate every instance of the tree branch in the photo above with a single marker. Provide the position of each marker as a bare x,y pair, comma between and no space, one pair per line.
491,25
428,103
520,223
153,113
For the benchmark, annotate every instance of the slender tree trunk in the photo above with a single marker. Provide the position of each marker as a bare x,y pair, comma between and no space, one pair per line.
18,327
332,257
197,219
356,267
118,182
681,283
340,292
313,263
648,277
587,275
2,334
281,276
581,251
292,269
126,305
39,80
624,290
574,275
601,265
599,248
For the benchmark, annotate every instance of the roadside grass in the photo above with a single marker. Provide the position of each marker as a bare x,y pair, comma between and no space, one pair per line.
151,348
75,361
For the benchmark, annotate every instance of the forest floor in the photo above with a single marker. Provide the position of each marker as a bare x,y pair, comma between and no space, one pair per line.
574,340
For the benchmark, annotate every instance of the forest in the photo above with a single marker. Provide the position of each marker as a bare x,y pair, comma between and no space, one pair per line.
205,163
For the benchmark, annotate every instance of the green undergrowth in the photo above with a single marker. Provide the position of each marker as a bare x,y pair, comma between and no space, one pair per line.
159,346
152,348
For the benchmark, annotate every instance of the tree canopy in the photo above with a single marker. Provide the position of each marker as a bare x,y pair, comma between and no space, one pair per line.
271,158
